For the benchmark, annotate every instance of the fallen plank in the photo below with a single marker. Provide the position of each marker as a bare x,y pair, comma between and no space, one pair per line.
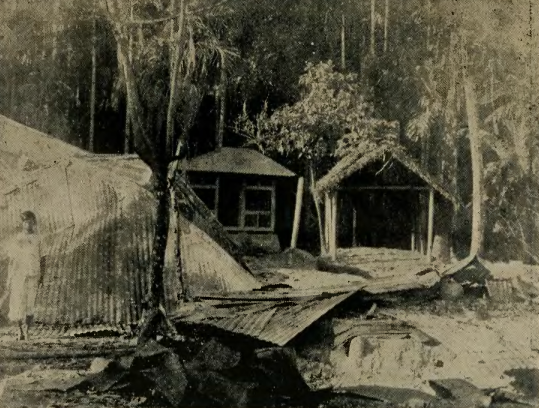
370,328
381,328
402,396
461,390
59,354
327,266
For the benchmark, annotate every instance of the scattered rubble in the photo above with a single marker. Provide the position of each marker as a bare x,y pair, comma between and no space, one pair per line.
216,375
440,337
462,392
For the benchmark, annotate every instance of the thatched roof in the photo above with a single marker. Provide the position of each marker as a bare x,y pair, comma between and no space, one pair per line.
357,160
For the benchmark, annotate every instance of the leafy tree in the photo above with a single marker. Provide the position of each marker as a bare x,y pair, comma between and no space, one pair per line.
331,117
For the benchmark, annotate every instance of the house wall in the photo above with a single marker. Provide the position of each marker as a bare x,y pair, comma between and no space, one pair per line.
230,204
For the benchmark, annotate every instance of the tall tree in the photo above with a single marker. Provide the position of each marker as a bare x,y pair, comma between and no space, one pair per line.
186,66
474,135
93,86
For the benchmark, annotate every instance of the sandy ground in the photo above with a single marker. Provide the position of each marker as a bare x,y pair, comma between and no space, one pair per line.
486,344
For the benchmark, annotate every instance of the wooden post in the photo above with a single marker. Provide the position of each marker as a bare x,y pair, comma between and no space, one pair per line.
354,226
413,221
217,188
241,221
327,222
333,234
273,204
430,228
297,212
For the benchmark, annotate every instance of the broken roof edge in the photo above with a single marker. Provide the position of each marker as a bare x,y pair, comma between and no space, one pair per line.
357,160
457,269
58,143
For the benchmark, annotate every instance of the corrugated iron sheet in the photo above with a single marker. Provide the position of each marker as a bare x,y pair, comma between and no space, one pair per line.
96,227
276,322
18,139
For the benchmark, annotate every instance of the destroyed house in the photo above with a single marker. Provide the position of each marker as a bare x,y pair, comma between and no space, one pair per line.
96,218
382,198
248,192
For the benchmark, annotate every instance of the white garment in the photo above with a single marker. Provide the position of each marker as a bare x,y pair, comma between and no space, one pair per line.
23,275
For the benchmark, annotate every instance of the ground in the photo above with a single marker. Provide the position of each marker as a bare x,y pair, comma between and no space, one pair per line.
490,344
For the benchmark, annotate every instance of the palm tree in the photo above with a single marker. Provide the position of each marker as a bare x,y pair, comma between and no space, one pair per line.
195,49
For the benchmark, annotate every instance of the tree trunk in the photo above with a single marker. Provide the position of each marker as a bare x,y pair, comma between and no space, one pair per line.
91,136
476,245
323,248
162,221
386,25
373,27
221,101
127,130
343,42
55,29
176,59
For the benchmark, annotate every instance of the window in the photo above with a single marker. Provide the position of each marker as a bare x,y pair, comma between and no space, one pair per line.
258,207
206,188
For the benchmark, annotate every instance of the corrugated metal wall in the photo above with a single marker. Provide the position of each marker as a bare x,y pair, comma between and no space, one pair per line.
97,231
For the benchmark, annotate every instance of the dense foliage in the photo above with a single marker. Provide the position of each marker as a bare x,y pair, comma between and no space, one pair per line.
395,61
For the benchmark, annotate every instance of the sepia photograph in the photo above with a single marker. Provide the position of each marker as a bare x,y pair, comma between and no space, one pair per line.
269,204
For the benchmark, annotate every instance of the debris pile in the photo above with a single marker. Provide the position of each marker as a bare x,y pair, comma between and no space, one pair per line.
201,373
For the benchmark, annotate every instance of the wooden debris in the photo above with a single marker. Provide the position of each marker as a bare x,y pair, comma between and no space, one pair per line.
467,394
390,395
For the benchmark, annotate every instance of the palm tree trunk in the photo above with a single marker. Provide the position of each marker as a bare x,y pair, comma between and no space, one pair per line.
476,244
91,136
373,27
221,101
176,59
386,25
343,42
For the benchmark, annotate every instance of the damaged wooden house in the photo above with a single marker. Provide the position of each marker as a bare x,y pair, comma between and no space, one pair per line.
250,194
380,206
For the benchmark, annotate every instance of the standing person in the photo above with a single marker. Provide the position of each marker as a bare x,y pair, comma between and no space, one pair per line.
24,274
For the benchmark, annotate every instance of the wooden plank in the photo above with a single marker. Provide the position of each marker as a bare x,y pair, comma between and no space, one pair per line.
393,188
430,227
297,212
333,240
327,221
241,221
273,204
354,227
217,187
